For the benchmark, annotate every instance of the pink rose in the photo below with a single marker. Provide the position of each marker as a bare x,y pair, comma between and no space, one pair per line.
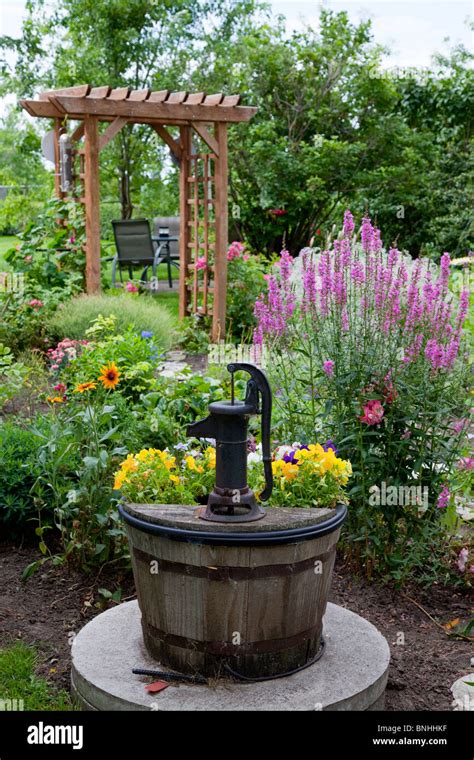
373,413
201,263
235,250
35,303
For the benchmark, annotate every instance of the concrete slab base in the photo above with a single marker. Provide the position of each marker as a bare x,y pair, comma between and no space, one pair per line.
351,675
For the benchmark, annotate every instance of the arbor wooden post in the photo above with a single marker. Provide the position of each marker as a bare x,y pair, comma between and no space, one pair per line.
92,201
220,254
184,217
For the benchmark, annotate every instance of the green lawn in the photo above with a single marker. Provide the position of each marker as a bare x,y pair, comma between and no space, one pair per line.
21,688
6,242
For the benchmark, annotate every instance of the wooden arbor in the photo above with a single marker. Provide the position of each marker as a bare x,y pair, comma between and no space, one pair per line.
203,174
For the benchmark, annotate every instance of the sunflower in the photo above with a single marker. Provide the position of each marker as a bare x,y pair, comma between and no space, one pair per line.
83,387
110,375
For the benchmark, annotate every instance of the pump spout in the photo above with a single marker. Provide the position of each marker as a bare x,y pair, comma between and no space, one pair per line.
201,429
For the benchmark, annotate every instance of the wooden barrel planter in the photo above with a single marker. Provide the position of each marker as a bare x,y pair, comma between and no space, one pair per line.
243,600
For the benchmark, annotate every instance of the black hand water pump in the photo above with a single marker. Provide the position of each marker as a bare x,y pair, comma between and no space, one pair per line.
232,500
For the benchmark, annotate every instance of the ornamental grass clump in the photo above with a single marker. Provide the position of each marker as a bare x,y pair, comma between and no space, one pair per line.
365,346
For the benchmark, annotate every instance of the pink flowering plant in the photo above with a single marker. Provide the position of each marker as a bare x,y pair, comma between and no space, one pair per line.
366,347
66,351
245,280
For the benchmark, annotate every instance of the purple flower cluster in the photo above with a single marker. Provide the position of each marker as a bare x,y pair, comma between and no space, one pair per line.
277,308
443,498
351,283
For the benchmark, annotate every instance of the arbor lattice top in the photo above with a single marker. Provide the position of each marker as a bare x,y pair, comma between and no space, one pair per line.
138,105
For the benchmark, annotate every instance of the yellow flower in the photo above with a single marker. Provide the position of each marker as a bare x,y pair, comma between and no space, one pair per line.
313,453
174,479
168,461
191,464
327,461
210,454
55,399
110,375
83,387
120,479
130,464
144,455
284,469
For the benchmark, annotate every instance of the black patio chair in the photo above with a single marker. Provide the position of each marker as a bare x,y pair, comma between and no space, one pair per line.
135,247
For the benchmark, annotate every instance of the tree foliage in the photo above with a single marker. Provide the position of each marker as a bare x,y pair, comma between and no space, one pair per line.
333,128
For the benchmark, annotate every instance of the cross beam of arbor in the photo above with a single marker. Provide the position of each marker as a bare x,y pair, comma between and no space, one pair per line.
203,175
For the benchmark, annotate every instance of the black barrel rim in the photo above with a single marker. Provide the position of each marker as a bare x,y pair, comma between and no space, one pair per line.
260,538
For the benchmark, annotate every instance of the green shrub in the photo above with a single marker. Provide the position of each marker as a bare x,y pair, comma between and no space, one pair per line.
75,317
18,472
134,356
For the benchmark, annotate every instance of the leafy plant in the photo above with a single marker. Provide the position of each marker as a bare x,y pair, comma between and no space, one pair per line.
18,473
134,355
245,282
51,254
12,375
175,402
193,334
79,448
365,346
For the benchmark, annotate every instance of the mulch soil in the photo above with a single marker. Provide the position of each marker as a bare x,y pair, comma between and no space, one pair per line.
54,604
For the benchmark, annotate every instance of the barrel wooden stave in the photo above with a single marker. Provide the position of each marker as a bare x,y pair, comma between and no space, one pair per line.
192,616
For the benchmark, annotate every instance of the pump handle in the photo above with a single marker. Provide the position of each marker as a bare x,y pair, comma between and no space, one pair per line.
259,388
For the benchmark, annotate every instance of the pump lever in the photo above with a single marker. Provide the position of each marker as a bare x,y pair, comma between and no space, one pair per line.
259,387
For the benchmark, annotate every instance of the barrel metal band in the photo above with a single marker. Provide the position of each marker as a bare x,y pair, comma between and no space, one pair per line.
233,573
227,649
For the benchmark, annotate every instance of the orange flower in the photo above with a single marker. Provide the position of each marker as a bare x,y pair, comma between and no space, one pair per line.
110,375
55,399
83,387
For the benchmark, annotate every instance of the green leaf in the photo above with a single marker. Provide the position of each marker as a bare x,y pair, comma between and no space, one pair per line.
30,569
90,462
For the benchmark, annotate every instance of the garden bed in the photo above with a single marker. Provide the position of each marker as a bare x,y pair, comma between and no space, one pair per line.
53,605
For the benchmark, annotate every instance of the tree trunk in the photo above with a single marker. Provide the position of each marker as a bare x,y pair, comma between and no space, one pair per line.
125,174
125,197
